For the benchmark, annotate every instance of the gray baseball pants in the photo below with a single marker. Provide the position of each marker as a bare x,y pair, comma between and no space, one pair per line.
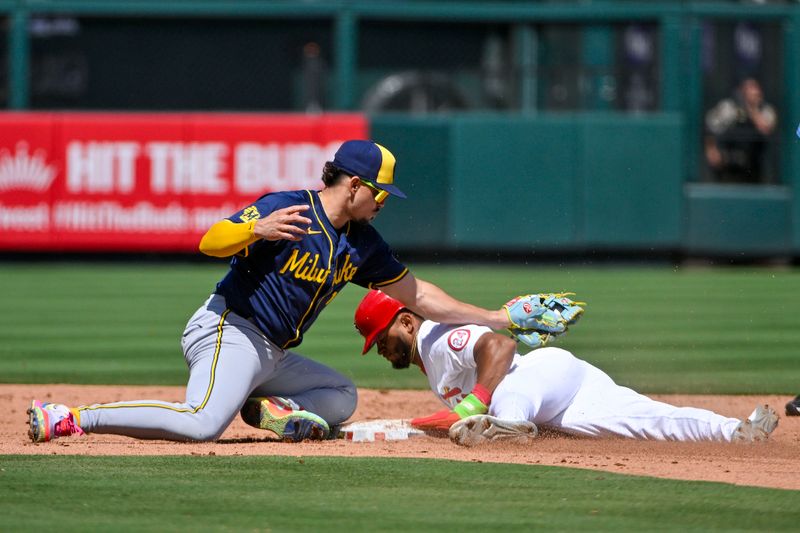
229,360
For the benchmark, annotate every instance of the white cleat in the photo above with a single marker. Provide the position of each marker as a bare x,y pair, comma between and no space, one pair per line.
758,426
479,429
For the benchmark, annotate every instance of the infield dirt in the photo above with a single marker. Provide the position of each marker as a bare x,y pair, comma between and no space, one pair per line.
771,464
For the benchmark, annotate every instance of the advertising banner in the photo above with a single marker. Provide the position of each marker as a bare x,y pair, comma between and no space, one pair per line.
150,182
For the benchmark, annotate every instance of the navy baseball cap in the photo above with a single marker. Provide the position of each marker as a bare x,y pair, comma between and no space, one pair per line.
369,161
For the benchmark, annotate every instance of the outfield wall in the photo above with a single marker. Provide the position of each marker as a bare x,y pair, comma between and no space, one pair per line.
150,182
578,183
573,182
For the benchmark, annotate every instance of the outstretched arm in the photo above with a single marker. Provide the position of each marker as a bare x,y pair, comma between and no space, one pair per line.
428,300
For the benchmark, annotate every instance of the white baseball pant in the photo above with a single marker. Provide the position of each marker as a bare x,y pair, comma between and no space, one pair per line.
553,388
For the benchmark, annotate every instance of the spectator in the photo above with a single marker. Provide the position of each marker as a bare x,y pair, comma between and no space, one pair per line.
738,130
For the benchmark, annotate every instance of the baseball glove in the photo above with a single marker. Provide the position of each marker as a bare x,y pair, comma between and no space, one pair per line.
538,318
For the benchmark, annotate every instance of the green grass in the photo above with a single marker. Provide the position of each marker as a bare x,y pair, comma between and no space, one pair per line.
187,493
723,330
656,329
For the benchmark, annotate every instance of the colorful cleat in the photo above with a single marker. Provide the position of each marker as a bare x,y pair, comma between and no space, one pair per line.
758,426
479,429
284,418
48,421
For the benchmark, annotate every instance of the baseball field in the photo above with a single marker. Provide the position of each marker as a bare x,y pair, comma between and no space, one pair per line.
722,338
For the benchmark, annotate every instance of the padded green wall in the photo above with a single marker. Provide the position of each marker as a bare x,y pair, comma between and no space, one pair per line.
516,183
736,221
422,149
526,183
632,181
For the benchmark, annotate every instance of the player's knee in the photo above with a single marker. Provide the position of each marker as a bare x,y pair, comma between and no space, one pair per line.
511,406
207,434
351,400
205,428
345,406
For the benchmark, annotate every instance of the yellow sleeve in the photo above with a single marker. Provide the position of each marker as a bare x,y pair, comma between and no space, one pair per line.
226,238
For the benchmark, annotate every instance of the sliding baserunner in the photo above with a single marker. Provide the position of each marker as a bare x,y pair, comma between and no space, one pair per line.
494,393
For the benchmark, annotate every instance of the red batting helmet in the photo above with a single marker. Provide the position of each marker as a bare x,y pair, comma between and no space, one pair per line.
374,314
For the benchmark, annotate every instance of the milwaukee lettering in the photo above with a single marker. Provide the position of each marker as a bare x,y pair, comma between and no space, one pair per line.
305,268
346,273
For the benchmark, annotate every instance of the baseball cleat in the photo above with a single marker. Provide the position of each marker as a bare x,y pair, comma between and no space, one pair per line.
284,418
478,429
758,426
48,421
793,407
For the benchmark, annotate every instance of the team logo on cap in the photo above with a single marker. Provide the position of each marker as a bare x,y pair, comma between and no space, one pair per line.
458,339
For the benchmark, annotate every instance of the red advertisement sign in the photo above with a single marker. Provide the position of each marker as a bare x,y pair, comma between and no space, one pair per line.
142,182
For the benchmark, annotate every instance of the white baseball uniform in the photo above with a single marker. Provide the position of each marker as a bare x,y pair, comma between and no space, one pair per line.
553,388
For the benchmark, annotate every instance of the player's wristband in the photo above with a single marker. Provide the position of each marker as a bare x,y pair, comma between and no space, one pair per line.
482,393
469,406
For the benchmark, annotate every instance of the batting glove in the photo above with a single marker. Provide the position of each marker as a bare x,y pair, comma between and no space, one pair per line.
442,420
438,421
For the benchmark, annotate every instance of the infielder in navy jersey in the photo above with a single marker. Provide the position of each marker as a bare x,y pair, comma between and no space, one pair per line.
292,252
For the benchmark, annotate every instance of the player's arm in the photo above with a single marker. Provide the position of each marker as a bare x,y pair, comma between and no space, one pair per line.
226,237
428,300
493,355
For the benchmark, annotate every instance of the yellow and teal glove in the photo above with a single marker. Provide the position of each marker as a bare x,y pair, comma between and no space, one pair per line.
538,318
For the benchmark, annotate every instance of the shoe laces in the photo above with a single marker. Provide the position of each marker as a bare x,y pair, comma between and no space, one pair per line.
67,426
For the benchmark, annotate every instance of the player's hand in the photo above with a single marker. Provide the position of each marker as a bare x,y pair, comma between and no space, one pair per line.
286,224
438,421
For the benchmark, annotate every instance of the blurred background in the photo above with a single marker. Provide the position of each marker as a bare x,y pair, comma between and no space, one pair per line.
602,127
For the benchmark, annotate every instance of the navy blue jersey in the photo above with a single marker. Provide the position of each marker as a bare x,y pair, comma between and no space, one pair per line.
284,285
